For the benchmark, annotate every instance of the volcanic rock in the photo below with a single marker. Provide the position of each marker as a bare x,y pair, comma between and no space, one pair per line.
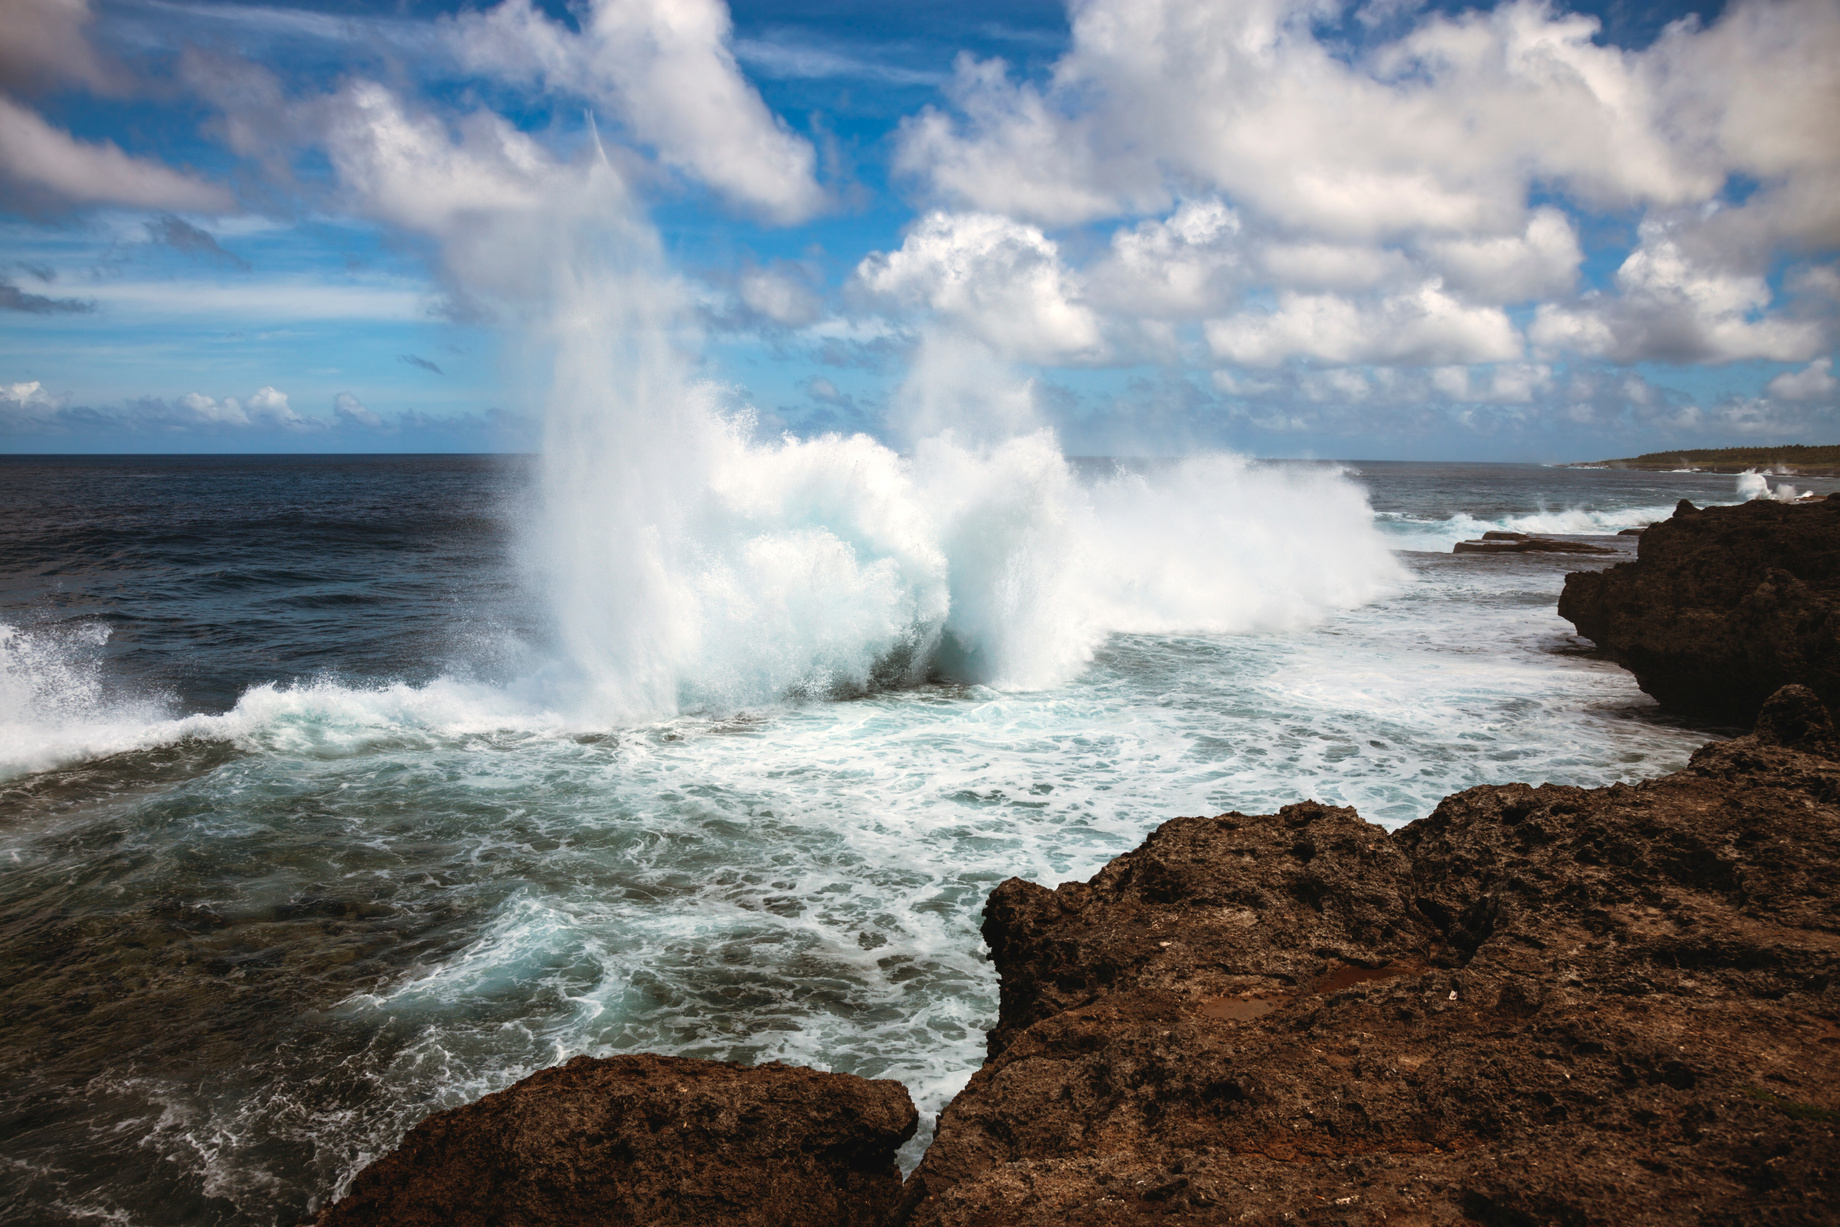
1498,542
649,1140
1537,1005
1722,606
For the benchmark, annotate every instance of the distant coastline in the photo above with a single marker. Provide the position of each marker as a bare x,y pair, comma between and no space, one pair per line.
1794,459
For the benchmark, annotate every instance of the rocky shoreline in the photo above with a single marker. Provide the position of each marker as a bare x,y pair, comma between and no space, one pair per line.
1536,1005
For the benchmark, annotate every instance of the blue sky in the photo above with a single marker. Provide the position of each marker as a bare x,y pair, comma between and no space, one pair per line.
1379,229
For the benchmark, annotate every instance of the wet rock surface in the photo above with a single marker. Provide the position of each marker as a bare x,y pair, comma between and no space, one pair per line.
1722,606
1537,1005
1498,542
648,1140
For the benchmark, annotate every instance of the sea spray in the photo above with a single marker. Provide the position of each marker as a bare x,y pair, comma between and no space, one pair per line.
832,566
1753,485
694,566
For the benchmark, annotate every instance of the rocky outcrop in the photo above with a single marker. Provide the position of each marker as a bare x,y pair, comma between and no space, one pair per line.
1722,606
1537,1005
648,1140
1522,543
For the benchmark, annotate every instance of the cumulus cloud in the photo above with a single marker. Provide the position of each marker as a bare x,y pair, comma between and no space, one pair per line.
1424,326
265,407
1183,265
998,280
1393,188
1673,308
1541,261
1441,130
27,404
42,166
1812,382
666,70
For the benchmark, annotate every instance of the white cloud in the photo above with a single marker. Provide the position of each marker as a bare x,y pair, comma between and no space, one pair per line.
1539,262
1332,266
1425,326
40,164
1440,131
1812,382
408,169
1183,264
266,407
778,295
349,410
1418,159
1023,158
666,69
27,404
1507,383
999,280
1757,92
508,215
1338,384
1674,308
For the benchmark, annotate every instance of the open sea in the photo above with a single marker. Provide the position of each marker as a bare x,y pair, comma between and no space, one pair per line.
335,791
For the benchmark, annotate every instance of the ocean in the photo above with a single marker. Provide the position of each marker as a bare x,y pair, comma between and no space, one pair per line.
338,790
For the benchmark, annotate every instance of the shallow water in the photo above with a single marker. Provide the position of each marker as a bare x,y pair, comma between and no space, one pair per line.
290,856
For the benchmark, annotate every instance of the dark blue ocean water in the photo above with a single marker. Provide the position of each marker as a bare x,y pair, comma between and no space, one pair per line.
294,851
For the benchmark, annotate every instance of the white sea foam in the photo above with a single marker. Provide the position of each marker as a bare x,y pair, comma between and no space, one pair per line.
53,708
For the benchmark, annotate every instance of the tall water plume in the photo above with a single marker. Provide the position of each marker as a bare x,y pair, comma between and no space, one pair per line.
689,564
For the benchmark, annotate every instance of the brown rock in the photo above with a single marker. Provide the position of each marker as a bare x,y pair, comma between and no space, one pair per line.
1722,607
1538,1005
1521,543
648,1140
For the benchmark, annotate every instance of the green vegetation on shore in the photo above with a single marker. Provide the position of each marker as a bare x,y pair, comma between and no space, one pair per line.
1795,457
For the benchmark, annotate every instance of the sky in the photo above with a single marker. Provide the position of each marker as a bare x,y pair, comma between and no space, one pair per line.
1384,229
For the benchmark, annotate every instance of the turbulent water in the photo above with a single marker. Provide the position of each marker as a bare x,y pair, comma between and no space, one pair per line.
332,792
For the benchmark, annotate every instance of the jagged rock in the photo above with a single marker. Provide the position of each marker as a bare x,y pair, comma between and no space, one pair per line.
648,1140
1537,1005
1722,606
